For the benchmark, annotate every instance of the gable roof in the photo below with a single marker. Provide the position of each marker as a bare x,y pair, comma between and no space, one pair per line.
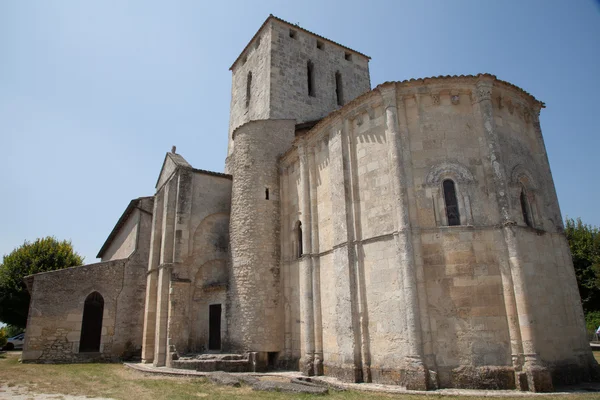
171,159
295,26
174,161
133,204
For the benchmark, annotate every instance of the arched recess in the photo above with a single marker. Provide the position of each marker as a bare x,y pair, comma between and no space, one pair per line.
437,180
211,239
91,325
524,189
212,275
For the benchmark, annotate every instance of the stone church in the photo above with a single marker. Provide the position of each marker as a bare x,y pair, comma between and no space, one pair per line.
408,234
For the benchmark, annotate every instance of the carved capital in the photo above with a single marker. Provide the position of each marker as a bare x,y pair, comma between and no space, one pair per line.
455,98
388,94
302,152
483,91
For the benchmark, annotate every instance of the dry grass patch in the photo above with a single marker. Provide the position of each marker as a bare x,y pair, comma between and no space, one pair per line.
119,382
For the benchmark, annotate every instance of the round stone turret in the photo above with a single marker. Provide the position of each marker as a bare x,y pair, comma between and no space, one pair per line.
255,299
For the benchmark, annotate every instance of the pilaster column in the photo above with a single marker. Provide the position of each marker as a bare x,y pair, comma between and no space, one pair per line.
306,279
538,377
178,327
316,276
346,364
164,273
151,280
287,258
416,375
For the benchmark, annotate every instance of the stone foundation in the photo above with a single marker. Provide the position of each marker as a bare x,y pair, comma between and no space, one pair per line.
346,373
487,378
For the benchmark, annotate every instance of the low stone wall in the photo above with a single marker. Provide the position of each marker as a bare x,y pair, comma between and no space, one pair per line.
57,306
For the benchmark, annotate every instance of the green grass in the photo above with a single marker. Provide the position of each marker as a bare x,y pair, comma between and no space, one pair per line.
119,382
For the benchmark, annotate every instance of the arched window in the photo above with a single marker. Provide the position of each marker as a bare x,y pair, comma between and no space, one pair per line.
91,326
451,203
525,208
299,237
248,88
339,89
310,75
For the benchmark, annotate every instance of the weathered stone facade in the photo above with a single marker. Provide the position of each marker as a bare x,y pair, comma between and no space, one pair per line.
407,235
56,309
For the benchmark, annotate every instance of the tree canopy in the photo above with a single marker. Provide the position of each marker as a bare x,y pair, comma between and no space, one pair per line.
584,241
45,254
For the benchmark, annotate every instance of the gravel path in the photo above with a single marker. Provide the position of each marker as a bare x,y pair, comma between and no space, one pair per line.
23,393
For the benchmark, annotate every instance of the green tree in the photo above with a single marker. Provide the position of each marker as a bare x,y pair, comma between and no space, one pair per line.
584,241
12,330
46,254
3,336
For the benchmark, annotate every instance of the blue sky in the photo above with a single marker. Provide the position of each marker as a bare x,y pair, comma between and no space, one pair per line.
93,93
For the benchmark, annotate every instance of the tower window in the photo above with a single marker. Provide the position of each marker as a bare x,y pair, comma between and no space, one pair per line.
266,193
299,237
451,203
339,89
310,74
248,87
319,45
292,34
348,56
525,209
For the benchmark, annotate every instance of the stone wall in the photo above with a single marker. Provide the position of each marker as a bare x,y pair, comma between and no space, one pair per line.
255,303
124,242
290,98
188,262
257,61
278,63
57,303
399,296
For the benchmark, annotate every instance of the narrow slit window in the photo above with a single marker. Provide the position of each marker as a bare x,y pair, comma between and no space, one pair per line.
319,45
339,89
299,237
266,193
451,203
248,88
292,34
525,209
310,75
348,56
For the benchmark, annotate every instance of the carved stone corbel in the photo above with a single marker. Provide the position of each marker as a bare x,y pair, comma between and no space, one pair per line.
455,97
